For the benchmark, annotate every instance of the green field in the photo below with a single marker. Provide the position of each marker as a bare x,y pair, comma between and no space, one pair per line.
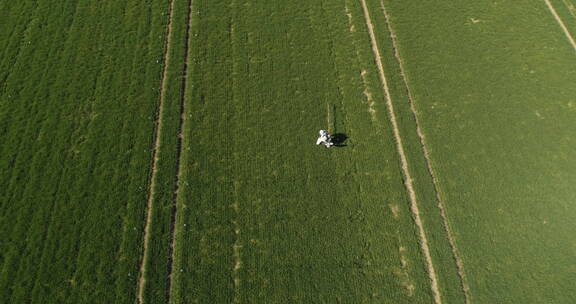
163,151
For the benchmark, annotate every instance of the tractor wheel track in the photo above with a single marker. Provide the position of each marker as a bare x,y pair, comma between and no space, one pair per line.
440,201
561,24
400,147
174,209
154,167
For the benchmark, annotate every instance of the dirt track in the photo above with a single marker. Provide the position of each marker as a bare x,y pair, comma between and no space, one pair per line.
154,169
179,145
400,148
449,234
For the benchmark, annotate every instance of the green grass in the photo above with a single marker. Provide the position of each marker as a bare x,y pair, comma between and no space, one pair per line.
566,9
78,93
494,98
306,224
442,257
263,215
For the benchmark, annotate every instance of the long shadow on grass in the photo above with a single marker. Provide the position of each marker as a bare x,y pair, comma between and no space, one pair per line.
339,139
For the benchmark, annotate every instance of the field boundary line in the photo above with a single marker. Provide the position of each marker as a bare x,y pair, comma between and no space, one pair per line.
182,101
561,23
154,169
449,233
399,146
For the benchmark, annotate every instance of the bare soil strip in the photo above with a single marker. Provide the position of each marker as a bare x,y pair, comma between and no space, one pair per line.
561,23
400,147
450,235
173,226
154,169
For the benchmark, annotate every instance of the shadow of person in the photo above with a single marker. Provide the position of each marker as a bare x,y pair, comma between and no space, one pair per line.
338,139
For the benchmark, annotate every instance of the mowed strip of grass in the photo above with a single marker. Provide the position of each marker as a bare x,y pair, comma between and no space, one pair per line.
77,103
493,84
264,215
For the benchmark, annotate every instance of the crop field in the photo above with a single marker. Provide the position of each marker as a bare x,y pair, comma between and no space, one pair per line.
162,151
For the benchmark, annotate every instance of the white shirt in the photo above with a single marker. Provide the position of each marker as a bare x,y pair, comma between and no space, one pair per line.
322,139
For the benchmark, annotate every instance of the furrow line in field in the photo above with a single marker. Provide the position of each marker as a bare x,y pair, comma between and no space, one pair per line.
561,23
173,226
449,233
369,99
237,246
407,177
570,8
154,169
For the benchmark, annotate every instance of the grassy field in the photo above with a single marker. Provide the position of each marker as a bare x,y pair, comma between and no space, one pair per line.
496,111
163,151
264,215
79,90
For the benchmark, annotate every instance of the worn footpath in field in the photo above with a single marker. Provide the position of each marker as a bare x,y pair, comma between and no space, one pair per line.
79,85
155,267
492,85
264,215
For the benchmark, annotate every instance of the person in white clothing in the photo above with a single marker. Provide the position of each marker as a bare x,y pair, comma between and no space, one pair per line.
324,139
